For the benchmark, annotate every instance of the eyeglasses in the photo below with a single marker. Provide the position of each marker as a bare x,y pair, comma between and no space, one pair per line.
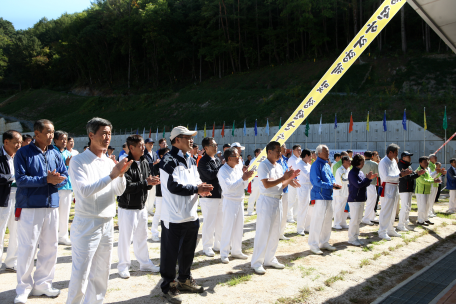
213,145
187,137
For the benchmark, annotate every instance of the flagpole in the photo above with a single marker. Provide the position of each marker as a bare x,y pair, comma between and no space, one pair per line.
367,133
424,133
385,132
405,110
444,151
335,134
351,133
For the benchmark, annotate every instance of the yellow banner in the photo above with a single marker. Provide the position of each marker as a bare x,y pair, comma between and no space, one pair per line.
366,35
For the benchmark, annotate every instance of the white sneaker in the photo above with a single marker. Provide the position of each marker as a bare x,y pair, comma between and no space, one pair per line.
151,268
259,270
22,298
394,234
301,233
209,252
155,238
291,221
225,260
51,292
250,213
65,242
277,265
355,243
401,228
240,256
337,227
328,247
316,251
385,237
124,274
432,215
216,249
368,223
344,226
283,237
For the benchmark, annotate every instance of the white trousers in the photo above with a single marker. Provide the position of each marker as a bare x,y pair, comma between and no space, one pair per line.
65,198
292,211
92,240
406,206
320,227
133,223
233,226
36,226
151,200
213,222
356,216
254,195
388,213
304,210
369,213
7,220
340,216
269,212
422,200
431,199
452,203
283,223
157,215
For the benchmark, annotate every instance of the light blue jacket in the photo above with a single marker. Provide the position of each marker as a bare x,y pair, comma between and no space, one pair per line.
322,180
65,154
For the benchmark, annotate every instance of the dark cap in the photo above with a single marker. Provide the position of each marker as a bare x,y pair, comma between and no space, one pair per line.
111,148
226,146
148,140
406,153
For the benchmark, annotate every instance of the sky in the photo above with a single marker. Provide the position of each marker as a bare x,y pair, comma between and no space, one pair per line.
25,13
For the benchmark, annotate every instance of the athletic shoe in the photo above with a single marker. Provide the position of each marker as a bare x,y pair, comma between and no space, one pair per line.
10,269
316,251
401,228
291,221
259,270
355,243
65,242
283,237
151,268
173,295
301,233
394,234
328,247
51,292
429,222
124,274
209,252
375,220
368,223
432,215
240,256
225,260
337,227
155,238
250,213
276,265
344,226
216,249
22,298
385,237
190,286
422,224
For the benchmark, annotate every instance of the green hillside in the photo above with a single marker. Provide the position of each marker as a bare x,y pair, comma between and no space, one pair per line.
391,84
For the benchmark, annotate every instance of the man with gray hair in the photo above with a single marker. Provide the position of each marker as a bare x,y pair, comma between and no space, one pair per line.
66,191
97,180
323,182
390,175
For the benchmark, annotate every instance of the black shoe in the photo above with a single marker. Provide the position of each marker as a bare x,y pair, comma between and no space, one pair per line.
173,295
10,269
422,224
190,286
430,223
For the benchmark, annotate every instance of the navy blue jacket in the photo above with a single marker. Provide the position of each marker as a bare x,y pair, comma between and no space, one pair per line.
31,167
6,179
451,178
208,169
151,160
358,185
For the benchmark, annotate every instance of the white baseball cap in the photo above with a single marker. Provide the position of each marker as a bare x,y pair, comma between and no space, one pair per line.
237,145
180,130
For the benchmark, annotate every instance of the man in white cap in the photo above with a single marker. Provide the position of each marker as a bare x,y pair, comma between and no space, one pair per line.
180,185
269,208
293,161
240,148
96,182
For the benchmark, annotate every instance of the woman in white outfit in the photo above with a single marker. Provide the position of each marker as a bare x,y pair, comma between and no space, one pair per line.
304,207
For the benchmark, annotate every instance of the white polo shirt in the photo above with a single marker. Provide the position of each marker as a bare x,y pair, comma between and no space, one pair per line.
266,170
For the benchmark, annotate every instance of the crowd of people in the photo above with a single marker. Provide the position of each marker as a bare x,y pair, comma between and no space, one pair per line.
42,176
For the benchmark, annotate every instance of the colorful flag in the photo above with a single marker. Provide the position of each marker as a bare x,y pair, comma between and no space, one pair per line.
137,131
280,123
245,129
223,130
445,121
266,130
350,126
335,123
319,127
150,131
204,130
404,121
213,130
256,132
196,129
156,135
164,128
384,122
232,131
425,124
307,128
144,133
367,122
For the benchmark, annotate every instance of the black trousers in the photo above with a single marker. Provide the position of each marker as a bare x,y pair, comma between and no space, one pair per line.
438,193
178,244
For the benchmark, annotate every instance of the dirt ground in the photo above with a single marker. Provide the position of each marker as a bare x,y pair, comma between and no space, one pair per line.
348,275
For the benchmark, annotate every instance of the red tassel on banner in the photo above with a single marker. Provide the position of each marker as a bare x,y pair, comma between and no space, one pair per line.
17,213
249,188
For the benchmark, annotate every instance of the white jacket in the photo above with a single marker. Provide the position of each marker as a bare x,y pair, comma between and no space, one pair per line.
342,179
179,179
230,180
94,190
